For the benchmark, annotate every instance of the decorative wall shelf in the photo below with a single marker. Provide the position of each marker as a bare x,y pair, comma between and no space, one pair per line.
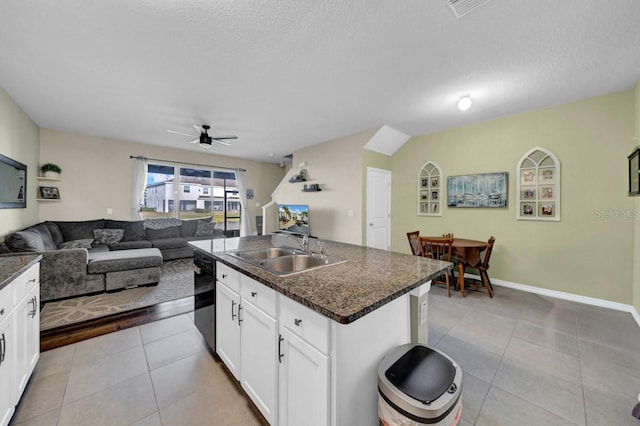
49,179
312,190
49,199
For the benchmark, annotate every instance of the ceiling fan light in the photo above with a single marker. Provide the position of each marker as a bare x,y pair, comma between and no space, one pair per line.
464,103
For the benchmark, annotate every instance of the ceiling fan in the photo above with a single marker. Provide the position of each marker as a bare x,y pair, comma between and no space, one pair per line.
205,139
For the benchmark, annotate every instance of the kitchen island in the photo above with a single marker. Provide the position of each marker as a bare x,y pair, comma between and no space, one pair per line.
306,346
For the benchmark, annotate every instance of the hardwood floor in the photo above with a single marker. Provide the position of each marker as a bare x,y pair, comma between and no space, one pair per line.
65,335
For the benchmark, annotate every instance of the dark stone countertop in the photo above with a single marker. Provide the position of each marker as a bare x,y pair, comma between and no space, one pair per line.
344,292
12,266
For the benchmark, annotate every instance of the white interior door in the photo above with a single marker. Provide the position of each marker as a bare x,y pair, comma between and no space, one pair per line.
378,208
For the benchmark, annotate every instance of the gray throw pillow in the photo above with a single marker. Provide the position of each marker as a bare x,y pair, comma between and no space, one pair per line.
83,243
157,234
26,240
107,236
161,223
205,229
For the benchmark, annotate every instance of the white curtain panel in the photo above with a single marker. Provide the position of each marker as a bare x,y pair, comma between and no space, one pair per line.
245,224
138,186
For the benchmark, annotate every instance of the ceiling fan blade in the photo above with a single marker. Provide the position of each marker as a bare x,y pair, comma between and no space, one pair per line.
225,137
221,142
196,140
198,128
180,133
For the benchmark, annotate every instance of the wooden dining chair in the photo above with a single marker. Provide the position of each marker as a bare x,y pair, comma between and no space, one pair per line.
414,242
439,248
485,282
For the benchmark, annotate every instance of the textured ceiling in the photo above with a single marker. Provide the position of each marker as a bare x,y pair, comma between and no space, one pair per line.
287,74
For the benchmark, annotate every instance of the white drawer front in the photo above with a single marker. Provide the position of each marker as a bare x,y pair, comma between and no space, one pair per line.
229,277
258,294
25,283
302,321
6,301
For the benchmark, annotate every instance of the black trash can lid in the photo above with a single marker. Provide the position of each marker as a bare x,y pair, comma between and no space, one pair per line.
422,373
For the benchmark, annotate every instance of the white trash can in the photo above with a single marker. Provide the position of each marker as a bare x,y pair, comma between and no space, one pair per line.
418,385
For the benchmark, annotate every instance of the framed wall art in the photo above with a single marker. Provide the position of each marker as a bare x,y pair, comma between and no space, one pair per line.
429,190
634,172
486,190
538,183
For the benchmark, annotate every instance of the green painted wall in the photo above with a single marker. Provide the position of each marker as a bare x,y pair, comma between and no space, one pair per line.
590,251
20,141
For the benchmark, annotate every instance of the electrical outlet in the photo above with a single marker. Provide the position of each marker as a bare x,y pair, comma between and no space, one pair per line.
109,211
423,312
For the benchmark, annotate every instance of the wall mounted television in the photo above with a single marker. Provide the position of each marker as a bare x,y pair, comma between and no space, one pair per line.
13,190
293,218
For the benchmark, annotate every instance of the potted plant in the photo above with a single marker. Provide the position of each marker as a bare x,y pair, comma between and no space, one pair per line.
50,170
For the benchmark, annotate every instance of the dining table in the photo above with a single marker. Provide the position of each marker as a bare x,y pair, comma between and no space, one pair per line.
467,252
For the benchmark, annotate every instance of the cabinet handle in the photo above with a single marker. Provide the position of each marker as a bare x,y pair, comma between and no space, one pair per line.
233,316
297,322
32,313
32,280
280,354
224,276
3,348
254,294
239,309
2,311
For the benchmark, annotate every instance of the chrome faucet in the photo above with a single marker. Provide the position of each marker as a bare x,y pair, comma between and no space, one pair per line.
305,243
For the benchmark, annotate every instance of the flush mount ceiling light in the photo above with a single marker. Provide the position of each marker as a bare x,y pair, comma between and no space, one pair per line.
464,103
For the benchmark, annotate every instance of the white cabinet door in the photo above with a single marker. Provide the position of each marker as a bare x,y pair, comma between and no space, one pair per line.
7,367
259,366
32,336
27,323
227,328
304,382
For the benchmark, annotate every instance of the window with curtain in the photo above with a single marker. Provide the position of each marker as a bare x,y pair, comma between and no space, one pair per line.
205,193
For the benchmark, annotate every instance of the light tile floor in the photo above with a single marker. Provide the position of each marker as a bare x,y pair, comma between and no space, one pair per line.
527,360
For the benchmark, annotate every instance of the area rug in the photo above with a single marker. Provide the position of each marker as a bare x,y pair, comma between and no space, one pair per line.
176,282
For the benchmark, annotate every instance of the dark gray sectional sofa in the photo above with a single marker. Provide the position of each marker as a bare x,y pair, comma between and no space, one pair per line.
84,257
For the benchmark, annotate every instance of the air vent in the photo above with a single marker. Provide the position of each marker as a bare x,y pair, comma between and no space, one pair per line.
462,7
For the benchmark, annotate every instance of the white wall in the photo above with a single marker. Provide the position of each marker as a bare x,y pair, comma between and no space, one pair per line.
97,174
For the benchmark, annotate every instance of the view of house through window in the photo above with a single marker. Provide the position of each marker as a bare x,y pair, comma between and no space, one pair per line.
198,192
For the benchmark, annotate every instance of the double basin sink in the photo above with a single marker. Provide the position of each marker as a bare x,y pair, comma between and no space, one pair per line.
284,260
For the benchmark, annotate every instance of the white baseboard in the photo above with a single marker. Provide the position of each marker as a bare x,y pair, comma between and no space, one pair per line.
566,296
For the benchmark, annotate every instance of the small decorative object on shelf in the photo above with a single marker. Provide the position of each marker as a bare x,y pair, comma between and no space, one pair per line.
302,177
49,193
314,187
50,170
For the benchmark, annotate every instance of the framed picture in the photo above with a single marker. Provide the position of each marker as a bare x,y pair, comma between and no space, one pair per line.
526,209
546,175
435,207
434,195
424,195
546,192
527,177
487,190
49,192
547,209
424,183
435,182
634,172
528,193
424,207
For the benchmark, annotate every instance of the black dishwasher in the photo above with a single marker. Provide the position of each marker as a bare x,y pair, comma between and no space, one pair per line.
204,291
